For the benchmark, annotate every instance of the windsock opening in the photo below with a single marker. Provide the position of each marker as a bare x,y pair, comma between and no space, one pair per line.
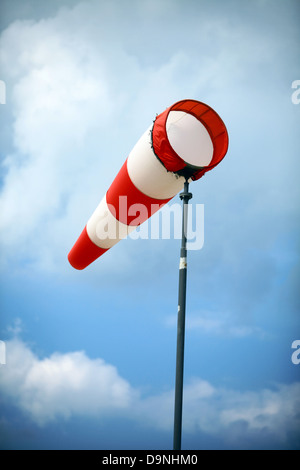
189,138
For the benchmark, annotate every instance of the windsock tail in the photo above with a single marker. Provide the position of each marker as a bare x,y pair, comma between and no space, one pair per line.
84,252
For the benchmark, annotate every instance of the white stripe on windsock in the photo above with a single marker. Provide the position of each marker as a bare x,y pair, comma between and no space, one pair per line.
104,229
148,174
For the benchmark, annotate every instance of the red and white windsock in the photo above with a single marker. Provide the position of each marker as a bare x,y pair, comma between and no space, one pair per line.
185,141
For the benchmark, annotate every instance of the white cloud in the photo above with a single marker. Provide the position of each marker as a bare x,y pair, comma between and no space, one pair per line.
75,98
60,100
221,411
82,89
16,328
62,385
159,409
217,323
82,92
72,384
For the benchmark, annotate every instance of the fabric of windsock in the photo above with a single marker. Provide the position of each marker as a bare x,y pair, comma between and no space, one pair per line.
185,141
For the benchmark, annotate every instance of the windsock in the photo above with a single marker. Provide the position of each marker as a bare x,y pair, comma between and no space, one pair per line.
184,142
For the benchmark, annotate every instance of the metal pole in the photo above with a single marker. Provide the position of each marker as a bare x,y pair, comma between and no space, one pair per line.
185,196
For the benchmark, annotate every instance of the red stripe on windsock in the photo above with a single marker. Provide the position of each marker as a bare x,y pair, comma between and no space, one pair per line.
84,252
128,204
213,124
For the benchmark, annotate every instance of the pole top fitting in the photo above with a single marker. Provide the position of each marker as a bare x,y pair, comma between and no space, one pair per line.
186,195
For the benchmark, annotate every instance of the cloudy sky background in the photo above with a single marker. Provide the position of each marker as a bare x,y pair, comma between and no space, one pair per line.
91,355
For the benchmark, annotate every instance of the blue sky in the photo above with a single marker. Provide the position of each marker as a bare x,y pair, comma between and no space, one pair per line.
91,355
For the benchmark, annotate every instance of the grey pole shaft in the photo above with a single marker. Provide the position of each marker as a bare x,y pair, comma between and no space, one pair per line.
185,196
